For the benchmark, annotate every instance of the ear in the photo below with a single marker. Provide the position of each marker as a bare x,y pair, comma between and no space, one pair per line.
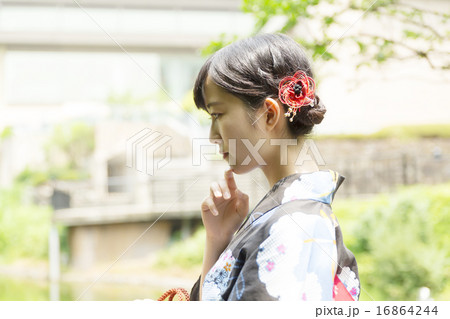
273,111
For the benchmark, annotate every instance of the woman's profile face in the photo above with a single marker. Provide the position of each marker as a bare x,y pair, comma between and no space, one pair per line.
231,128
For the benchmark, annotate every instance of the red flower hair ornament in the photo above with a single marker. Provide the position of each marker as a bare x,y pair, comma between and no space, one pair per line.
296,91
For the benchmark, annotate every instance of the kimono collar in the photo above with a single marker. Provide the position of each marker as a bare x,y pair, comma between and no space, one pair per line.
319,186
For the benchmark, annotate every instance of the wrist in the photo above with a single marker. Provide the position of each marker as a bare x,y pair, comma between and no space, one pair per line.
218,242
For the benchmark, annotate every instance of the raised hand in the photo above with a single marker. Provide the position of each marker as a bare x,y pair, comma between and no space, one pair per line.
224,209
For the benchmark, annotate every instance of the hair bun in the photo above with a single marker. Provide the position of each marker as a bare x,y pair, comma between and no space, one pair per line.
307,117
317,112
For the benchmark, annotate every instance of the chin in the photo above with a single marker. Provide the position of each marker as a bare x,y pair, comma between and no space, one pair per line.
241,169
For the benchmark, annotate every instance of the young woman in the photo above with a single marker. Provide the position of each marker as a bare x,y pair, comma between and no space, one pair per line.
261,96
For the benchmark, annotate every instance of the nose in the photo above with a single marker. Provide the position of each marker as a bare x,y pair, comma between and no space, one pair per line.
214,136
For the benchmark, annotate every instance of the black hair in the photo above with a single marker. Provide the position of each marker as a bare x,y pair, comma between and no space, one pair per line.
252,69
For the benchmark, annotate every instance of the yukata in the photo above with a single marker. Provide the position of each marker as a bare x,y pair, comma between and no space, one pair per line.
290,247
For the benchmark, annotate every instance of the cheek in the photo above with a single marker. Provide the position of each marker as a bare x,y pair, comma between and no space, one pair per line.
246,141
234,129
230,129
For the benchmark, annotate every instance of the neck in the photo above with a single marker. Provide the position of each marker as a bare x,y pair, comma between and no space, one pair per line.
274,170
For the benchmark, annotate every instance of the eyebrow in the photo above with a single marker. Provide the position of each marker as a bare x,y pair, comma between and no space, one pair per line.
212,104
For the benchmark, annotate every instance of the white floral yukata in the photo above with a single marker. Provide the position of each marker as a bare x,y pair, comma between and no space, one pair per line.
290,247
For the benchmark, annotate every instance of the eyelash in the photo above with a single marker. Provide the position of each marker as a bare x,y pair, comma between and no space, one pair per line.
214,115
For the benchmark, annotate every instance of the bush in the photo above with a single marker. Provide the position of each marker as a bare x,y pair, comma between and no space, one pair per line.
401,241
24,227
183,254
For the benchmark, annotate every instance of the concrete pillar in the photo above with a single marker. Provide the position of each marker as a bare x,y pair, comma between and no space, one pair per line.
2,75
54,291
144,189
5,166
99,173
53,252
186,228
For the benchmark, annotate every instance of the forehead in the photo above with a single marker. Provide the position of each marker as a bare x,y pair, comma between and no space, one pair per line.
214,95
212,90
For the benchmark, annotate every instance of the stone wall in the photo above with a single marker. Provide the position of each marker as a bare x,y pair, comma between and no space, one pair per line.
373,166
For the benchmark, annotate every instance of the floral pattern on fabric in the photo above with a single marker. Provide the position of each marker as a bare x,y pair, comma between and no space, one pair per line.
351,283
216,279
318,186
281,258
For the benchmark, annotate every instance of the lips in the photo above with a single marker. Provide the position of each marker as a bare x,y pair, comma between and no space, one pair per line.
224,154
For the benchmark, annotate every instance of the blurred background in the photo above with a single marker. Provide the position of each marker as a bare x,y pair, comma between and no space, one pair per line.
83,217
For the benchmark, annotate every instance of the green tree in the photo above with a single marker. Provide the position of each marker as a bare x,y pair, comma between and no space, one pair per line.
67,151
423,31
72,143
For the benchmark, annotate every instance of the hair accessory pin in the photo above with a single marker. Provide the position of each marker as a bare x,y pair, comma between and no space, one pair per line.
296,91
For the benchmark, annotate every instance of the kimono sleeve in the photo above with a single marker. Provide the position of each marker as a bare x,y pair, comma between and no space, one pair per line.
296,261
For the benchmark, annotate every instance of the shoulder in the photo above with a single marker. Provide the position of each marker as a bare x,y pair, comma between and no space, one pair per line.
296,257
299,216
298,220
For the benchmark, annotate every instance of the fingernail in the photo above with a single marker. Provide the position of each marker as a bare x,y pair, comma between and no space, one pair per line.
217,193
215,212
226,195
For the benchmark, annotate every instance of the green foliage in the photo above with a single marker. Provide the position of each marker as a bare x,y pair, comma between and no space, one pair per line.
386,50
189,106
411,34
14,289
24,226
371,5
6,132
215,45
264,10
362,46
74,142
184,254
401,241
67,152
318,48
415,131
67,173
22,290
32,177
39,177
373,48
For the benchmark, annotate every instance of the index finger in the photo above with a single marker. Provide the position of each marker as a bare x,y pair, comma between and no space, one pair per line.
229,178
